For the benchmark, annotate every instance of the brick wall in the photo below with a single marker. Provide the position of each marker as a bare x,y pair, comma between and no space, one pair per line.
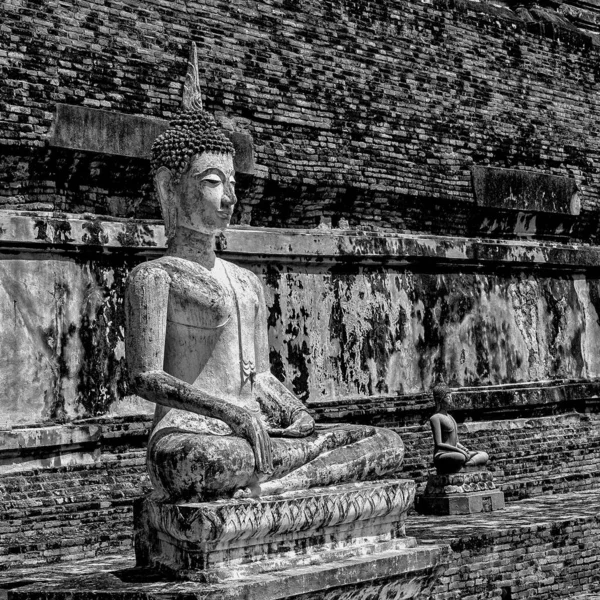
70,512
371,111
83,510
539,549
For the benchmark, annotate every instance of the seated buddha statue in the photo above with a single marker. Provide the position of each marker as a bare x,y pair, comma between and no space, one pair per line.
197,346
449,455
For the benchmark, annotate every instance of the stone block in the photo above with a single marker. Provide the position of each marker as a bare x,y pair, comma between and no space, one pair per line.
525,190
461,504
468,491
228,539
120,134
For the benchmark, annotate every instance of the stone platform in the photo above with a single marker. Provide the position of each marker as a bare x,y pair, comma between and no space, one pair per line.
471,490
396,574
212,542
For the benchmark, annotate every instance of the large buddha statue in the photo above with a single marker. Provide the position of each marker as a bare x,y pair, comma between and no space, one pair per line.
196,344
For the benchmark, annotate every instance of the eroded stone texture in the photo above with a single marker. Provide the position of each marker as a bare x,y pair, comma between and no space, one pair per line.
512,323
403,573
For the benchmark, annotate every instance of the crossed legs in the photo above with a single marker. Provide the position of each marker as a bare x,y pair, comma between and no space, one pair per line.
191,466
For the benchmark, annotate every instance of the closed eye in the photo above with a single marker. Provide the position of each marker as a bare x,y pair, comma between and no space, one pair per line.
214,179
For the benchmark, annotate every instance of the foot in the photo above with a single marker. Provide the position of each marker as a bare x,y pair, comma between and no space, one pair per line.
249,492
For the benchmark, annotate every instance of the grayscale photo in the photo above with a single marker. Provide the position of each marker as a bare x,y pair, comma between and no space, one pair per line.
300,299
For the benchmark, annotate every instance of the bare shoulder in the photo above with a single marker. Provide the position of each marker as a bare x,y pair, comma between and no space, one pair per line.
154,271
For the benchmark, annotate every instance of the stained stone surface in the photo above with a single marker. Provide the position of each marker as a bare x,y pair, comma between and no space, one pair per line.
527,299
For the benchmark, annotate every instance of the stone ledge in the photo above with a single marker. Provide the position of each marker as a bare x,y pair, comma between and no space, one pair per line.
515,402
514,189
45,231
542,513
35,440
49,446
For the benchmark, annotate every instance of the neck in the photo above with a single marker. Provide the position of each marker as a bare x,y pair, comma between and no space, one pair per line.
193,245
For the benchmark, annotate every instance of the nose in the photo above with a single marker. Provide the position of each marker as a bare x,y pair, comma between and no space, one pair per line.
229,197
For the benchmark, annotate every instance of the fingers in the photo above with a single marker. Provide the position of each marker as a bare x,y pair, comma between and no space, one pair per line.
253,430
266,462
262,448
276,432
268,454
295,430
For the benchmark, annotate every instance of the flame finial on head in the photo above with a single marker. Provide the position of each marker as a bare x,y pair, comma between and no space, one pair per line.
192,132
192,94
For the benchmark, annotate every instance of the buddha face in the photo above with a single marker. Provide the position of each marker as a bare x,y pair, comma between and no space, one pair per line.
443,398
206,195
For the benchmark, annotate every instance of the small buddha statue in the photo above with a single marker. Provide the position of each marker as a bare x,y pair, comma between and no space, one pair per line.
197,346
449,455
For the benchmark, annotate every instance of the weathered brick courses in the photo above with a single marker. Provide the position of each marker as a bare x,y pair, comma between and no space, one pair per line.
528,457
543,548
371,111
70,512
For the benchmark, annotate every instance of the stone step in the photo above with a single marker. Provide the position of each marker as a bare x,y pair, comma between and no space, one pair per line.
405,572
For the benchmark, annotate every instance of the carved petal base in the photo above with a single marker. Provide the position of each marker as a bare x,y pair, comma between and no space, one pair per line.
232,539
466,492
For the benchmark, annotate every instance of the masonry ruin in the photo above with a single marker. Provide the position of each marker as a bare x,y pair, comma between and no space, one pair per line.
418,191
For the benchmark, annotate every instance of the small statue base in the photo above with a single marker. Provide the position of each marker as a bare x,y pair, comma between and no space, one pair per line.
212,542
470,490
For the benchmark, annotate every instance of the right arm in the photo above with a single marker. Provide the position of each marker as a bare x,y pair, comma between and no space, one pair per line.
146,301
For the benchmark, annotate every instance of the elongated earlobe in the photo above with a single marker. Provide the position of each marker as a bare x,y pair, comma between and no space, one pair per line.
163,182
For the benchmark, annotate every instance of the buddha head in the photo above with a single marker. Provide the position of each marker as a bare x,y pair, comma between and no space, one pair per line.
442,396
193,169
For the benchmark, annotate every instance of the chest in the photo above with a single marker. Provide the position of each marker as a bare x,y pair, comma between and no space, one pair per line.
448,424
209,300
